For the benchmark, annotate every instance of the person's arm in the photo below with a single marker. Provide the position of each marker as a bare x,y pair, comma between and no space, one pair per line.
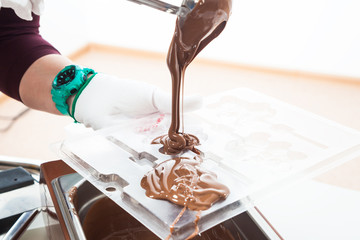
29,65
36,83
26,59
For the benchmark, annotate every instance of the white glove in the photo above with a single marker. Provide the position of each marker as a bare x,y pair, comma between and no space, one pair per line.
108,100
24,8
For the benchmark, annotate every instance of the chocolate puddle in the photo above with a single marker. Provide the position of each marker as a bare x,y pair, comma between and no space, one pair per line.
183,182
192,34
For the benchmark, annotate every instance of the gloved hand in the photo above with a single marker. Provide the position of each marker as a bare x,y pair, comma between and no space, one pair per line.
24,8
108,100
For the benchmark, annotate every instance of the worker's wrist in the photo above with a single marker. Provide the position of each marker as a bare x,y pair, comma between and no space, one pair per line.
71,98
70,101
68,85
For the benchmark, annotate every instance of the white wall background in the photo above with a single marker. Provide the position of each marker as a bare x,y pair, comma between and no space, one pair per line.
321,36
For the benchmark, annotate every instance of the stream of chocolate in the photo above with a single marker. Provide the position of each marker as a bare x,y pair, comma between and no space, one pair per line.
192,33
182,181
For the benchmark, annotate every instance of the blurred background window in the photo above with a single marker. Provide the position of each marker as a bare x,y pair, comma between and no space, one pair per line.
317,36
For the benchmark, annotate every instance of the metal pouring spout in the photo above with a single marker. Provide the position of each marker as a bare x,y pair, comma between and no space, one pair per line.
185,8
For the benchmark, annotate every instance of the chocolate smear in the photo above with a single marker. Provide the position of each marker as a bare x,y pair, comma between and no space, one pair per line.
183,182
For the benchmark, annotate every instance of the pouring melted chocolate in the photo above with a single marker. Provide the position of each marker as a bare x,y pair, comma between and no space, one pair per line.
192,34
182,180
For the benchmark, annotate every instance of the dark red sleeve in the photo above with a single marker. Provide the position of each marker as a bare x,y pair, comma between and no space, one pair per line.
20,46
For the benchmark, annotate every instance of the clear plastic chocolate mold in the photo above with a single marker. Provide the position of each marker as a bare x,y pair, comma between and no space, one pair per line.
255,144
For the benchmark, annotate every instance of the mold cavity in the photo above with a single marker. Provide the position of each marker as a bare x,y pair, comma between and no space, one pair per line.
110,189
113,178
141,158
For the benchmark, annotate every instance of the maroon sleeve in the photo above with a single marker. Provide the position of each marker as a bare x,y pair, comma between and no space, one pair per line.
20,46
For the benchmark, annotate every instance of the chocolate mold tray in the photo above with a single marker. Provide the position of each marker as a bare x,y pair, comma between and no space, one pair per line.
255,144
115,168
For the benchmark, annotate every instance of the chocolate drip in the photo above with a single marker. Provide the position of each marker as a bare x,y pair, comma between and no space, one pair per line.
192,33
184,182
172,147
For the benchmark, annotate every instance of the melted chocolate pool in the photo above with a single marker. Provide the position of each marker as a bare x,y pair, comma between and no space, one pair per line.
184,182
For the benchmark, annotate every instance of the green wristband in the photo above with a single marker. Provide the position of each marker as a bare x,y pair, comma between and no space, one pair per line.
67,83
78,95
